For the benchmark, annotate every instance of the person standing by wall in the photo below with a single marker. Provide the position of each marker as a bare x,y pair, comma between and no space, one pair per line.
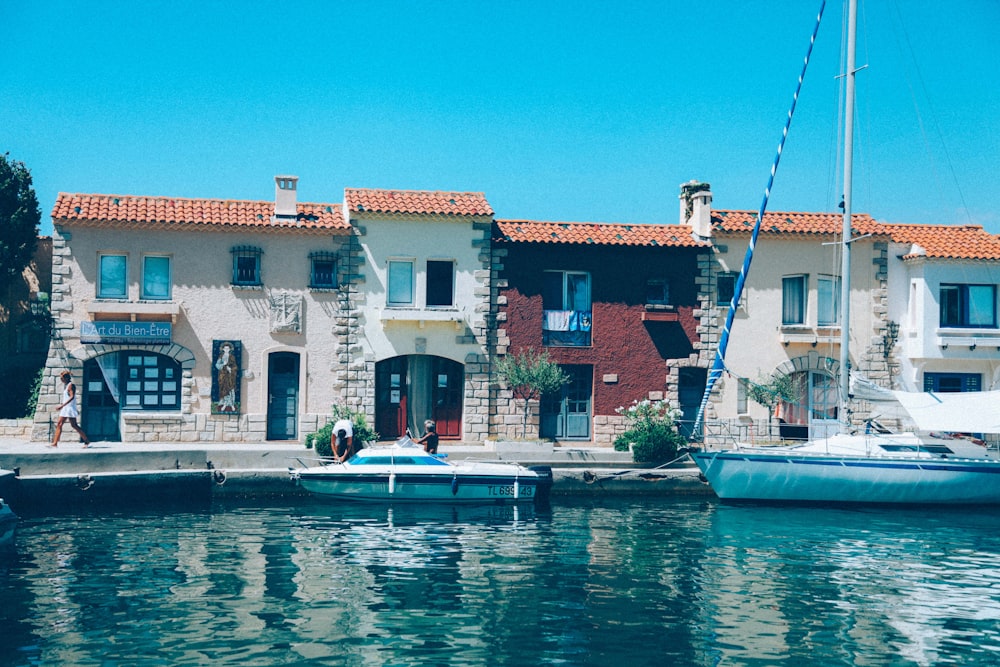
67,410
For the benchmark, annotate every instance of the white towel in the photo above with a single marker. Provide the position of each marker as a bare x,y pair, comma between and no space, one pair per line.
557,320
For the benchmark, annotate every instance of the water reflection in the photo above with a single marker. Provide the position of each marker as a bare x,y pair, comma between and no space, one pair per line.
857,586
686,583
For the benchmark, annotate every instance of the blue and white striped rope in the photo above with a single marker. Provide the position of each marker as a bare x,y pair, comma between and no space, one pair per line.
719,365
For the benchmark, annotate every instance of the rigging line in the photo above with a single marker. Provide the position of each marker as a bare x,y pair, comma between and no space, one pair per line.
933,119
720,354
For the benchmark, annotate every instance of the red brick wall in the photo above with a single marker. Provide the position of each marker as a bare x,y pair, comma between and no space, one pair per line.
621,343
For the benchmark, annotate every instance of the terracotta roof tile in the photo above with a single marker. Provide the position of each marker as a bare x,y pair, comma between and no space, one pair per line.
96,209
946,241
361,200
594,233
790,223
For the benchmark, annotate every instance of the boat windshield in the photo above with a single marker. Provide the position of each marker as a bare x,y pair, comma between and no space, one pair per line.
384,459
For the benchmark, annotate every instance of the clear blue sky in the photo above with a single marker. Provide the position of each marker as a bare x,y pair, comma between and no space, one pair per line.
572,111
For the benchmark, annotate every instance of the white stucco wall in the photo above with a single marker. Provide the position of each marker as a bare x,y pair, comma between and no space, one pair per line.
393,331
759,344
210,308
925,346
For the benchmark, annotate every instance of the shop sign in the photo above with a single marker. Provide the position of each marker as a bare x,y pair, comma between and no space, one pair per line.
154,333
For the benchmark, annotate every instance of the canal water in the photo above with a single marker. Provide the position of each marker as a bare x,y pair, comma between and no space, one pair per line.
686,582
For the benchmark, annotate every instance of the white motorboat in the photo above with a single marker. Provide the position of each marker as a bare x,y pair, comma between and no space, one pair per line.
404,472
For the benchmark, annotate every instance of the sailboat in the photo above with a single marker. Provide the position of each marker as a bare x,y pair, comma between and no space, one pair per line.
929,466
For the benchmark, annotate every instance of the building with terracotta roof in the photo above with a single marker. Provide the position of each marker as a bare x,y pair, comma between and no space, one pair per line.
942,307
923,310
615,305
789,315
197,319
418,311
224,320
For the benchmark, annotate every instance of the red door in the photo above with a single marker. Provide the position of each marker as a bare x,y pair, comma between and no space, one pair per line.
448,379
411,389
390,398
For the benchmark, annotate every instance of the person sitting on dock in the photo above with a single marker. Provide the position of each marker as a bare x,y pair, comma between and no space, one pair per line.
429,439
342,440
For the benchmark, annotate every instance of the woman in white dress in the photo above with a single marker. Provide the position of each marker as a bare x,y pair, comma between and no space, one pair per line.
67,410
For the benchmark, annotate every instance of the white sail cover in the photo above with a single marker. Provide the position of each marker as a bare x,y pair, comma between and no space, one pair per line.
966,412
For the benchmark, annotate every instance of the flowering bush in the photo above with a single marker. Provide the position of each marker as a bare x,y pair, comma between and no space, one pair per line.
652,431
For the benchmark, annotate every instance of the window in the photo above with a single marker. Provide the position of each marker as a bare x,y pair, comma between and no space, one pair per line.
968,306
323,270
828,300
400,289
725,287
440,282
155,277
246,265
952,382
741,396
657,292
151,381
793,300
112,277
566,308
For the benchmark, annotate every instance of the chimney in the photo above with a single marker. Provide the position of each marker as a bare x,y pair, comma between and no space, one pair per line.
284,196
696,208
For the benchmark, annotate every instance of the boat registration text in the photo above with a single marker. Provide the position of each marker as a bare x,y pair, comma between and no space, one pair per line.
507,491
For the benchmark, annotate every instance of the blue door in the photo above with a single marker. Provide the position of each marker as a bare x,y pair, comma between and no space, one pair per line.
100,408
566,414
282,396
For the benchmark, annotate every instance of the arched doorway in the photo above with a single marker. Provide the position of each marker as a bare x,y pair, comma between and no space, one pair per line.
814,412
413,388
127,380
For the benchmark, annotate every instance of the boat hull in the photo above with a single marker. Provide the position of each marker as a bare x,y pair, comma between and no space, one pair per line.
422,487
783,477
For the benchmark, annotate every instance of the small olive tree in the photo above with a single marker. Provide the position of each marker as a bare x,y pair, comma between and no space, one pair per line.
529,375
769,391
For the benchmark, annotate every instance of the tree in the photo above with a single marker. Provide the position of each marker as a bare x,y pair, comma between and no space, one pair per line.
529,375
19,219
770,391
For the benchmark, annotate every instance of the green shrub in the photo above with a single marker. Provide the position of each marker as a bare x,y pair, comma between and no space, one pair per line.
363,434
652,432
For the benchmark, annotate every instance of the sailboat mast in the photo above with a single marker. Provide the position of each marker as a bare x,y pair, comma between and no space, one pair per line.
845,274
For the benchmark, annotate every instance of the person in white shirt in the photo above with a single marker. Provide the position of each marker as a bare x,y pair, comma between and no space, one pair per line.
342,440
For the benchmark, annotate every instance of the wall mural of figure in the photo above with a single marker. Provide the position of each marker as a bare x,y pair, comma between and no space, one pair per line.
226,355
